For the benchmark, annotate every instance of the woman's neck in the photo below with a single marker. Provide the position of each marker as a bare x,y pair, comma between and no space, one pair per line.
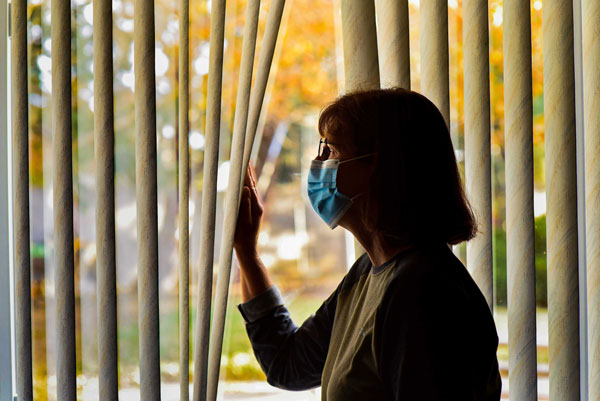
379,246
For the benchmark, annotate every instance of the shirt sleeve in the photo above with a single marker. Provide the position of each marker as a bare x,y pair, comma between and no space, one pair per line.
431,347
261,305
292,357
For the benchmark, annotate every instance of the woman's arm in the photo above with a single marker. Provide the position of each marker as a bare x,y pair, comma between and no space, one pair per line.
292,357
254,277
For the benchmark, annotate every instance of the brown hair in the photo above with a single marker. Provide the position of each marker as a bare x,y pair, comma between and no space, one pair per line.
416,187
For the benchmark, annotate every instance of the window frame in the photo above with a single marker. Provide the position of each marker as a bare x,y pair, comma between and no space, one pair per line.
7,335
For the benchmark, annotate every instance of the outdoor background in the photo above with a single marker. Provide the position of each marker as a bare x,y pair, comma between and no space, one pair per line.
305,258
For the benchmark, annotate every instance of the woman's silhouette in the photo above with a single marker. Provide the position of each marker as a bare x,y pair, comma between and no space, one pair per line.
407,322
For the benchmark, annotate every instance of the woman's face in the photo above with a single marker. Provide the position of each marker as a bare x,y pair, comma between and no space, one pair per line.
352,177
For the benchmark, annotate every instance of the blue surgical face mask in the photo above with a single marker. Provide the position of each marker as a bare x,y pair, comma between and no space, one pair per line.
329,203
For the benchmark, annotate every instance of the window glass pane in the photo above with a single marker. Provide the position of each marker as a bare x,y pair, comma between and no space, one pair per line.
305,258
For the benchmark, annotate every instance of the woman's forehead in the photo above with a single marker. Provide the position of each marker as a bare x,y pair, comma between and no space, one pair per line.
341,142
334,139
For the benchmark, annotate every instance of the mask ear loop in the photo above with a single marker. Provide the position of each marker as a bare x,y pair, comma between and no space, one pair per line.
358,157
355,158
356,196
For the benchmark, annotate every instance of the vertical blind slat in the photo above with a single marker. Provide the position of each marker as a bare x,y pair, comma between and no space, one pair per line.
519,200
146,199
209,197
435,78
184,184
434,54
591,105
393,44
477,142
262,76
105,195
63,199
361,63
561,189
20,130
232,197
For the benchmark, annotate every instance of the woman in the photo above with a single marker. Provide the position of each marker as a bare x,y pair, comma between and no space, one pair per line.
407,322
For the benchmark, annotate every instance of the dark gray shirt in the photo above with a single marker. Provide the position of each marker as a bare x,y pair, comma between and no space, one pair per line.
415,328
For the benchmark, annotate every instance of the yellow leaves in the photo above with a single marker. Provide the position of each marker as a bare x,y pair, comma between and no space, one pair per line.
538,129
497,58
305,77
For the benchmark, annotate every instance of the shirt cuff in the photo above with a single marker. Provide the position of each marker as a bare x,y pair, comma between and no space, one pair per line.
261,305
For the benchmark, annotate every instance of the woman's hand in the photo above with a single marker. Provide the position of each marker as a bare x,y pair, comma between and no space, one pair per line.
254,277
249,219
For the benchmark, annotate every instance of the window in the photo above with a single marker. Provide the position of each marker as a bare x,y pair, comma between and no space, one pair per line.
295,245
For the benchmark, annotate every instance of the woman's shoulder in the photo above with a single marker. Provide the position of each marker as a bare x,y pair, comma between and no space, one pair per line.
433,286
432,271
424,263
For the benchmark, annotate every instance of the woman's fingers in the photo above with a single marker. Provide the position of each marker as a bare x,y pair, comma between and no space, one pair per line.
247,178
245,212
251,208
243,230
247,205
249,217
252,175
257,208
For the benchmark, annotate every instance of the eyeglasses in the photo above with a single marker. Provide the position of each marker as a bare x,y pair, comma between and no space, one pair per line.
324,148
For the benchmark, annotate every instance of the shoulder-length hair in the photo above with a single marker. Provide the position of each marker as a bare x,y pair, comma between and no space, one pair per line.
416,187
